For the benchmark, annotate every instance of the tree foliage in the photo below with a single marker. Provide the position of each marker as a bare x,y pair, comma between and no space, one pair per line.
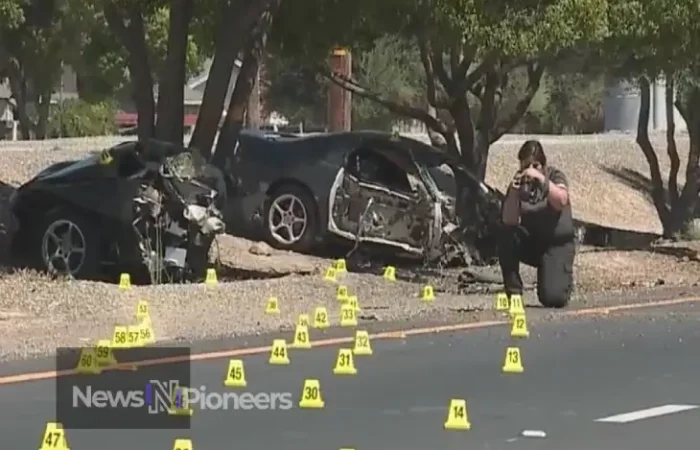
660,39
467,48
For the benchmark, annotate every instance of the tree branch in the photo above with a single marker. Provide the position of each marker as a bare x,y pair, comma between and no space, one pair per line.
534,77
438,60
467,81
671,149
396,108
423,45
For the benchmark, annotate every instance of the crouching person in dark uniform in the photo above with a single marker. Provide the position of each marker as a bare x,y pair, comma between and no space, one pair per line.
538,229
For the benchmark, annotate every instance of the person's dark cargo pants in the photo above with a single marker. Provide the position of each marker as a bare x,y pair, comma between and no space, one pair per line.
554,262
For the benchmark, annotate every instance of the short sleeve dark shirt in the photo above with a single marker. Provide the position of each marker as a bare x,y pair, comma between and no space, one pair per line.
545,223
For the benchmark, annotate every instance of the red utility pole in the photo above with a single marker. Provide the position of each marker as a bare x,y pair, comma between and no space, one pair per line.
339,99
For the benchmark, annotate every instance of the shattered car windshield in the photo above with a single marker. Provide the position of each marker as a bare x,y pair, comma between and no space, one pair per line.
181,166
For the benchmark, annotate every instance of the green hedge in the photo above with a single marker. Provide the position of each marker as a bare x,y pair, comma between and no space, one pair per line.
78,118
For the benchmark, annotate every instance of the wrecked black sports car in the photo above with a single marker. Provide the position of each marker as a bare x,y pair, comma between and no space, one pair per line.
145,207
365,187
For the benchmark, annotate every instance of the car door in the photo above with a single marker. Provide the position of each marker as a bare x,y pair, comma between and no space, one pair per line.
374,199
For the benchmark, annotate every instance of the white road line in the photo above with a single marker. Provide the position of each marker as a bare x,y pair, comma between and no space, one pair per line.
647,413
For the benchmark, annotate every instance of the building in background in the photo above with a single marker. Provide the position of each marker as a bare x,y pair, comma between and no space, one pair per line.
193,94
621,108
8,127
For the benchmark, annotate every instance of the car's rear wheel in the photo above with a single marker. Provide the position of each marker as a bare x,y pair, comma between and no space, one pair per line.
67,244
291,218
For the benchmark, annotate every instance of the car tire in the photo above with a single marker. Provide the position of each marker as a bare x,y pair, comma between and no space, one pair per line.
302,238
86,264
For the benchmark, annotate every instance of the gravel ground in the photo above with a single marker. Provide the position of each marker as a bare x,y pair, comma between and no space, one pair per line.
38,314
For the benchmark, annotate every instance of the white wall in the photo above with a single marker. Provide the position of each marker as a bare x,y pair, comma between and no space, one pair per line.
621,108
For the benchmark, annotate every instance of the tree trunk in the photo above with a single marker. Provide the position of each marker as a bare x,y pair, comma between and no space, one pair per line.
684,210
671,148
18,85
235,115
253,118
133,37
171,102
237,19
657,187
42,112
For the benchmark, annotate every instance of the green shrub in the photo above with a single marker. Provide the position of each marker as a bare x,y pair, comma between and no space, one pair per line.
78,118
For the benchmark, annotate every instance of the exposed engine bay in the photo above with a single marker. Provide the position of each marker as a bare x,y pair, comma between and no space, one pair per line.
176,220
400,205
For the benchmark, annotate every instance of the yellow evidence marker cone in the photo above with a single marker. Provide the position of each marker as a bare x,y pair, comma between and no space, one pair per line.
211,278
278,354
353,302
273,306
340,266
502,303
301,337
516,305
235,375
362,343
342,293
348,316
119,338
330,274
142,311
427,294
182,444
87,363
457,417
54,437
345,365
321,318
303,320
133,336
390,273
519,329
311,395
146,334
124,281
180,403
104,353
514,363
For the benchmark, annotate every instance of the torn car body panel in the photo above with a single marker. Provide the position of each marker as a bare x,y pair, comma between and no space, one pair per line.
138,205
373,213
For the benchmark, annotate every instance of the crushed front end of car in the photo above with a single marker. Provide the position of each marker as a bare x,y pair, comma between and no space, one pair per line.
466,224
177,217
148,208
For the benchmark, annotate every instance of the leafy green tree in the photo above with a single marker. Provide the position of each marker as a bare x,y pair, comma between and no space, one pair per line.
36,38
469,50
661,39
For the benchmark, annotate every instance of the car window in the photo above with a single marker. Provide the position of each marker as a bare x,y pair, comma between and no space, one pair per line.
372,167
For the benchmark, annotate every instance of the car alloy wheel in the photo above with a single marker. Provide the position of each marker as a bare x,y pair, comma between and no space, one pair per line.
287,219
63,248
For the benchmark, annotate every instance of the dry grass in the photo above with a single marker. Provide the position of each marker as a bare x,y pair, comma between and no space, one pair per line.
607,176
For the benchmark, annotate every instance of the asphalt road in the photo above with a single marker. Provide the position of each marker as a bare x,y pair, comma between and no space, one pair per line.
577,371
